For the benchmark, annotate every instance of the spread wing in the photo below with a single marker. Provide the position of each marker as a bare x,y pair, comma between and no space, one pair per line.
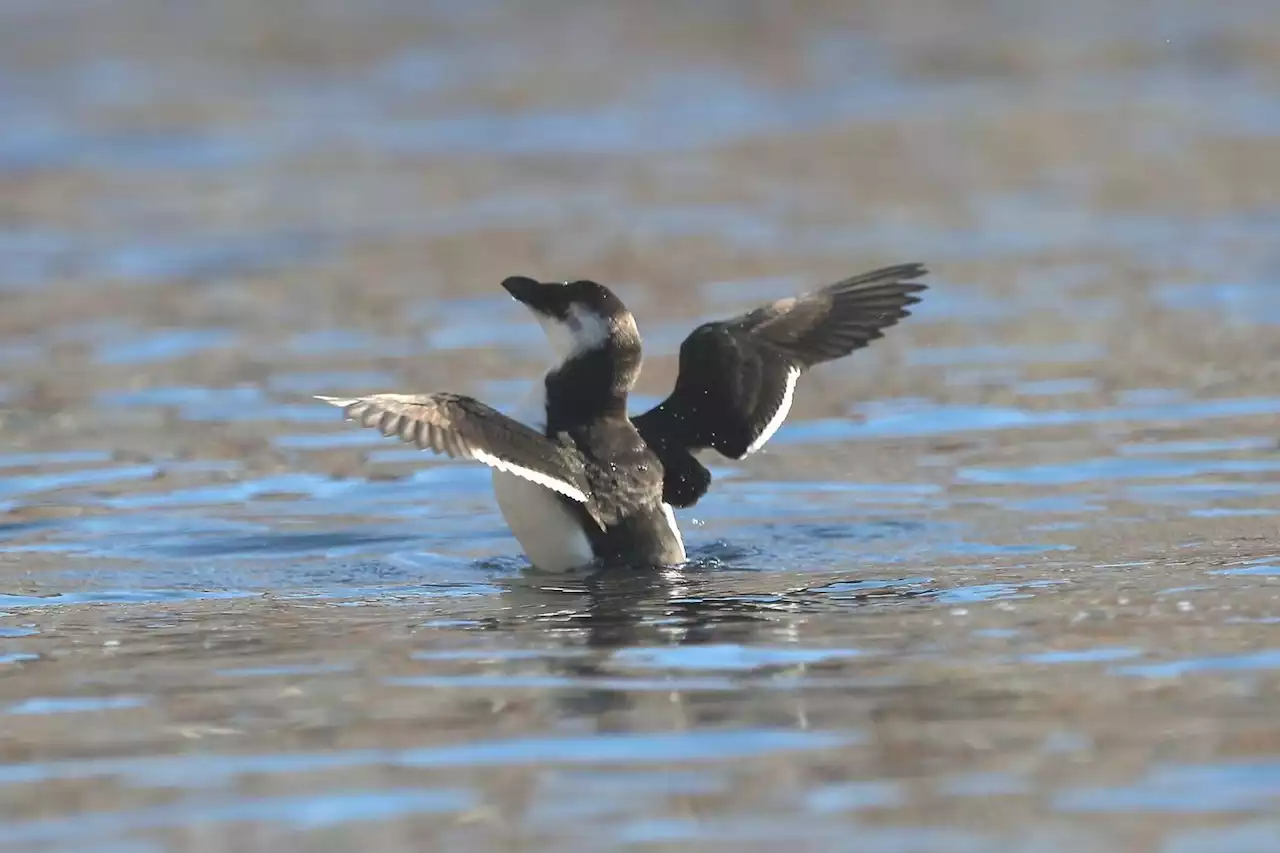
737,377
464,428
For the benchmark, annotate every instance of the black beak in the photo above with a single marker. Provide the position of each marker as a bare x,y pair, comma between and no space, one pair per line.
524,290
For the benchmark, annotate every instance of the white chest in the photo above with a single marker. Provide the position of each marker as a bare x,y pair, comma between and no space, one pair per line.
549,534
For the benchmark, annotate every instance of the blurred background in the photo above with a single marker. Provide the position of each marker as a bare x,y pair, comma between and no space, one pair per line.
1005,581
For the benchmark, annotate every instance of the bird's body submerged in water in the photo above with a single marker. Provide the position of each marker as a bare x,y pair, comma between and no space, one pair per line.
577,479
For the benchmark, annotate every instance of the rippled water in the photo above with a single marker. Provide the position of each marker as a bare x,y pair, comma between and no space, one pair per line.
1008,580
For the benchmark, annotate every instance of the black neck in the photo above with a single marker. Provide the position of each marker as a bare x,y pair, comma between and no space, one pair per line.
590,386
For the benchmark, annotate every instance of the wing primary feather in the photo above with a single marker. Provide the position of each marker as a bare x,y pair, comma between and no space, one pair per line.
414,434
737,377
454,446
464,428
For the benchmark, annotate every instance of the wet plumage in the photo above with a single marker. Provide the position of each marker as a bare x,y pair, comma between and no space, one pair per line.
582,480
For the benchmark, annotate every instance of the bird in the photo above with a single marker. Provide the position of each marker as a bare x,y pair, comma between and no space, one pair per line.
582,483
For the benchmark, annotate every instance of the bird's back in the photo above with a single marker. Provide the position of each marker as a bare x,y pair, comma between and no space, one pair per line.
625,477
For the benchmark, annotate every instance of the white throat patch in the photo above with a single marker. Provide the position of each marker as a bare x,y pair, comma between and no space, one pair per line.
581,331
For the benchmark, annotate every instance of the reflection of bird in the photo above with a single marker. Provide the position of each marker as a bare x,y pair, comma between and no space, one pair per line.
582,481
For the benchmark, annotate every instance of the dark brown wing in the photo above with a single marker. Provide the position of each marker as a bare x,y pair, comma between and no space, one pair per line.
737,377
465,428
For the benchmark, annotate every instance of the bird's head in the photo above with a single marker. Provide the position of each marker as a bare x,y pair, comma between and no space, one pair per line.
579,317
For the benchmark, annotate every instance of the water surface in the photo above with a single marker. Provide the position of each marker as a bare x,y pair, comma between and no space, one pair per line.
1005,581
